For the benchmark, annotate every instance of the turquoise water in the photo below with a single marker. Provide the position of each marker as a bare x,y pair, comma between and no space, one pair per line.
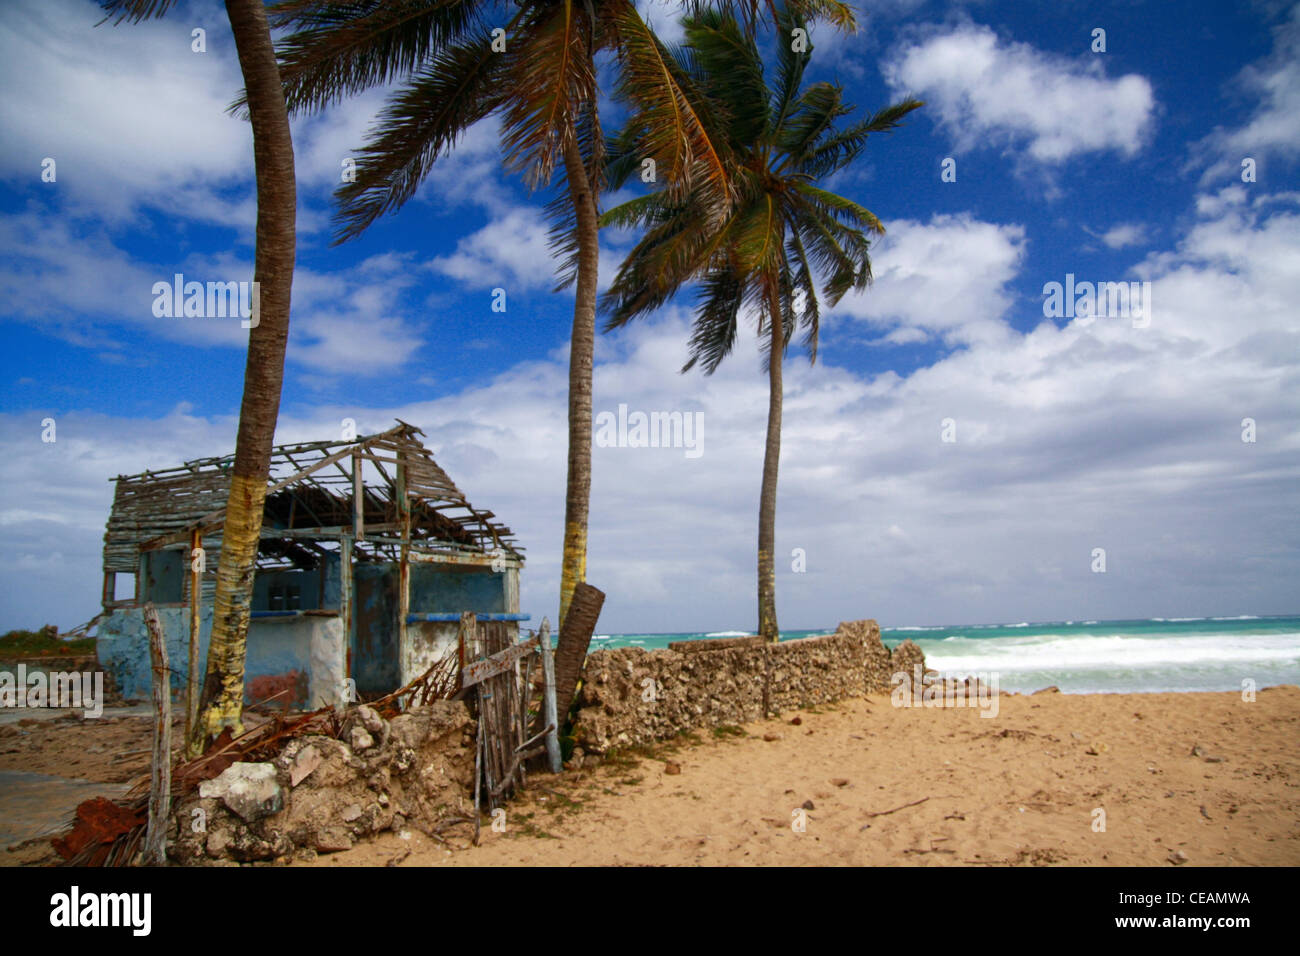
1156,654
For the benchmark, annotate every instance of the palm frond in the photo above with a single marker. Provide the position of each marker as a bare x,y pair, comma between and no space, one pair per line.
713,333
134,10
727,66
843,209
551,72
836,12
805,280
341,47
688,152
790,66
460,86
814,113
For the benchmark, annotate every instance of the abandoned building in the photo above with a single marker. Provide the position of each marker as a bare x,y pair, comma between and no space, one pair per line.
368,555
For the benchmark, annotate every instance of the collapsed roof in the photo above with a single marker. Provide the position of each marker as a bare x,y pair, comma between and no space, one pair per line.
317,493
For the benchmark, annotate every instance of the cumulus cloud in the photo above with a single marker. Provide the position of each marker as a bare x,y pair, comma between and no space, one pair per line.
946,277
511,248
987,90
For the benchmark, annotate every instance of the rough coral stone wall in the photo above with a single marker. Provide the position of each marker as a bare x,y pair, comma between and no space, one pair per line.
631,696
910,660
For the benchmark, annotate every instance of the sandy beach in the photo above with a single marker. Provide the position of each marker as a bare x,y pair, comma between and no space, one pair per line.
893,786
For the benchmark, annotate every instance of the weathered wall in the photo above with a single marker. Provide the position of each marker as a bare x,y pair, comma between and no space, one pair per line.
631,696
302,654
456,588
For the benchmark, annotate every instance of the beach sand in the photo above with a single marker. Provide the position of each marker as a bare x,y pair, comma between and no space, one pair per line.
920,786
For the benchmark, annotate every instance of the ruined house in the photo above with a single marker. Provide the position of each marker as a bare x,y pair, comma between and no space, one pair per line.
369,554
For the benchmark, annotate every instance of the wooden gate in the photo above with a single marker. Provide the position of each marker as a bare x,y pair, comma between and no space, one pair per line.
499,672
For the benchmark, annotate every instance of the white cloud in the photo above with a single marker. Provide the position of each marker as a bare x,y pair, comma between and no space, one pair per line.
990,91
129,113
78,285
1273,130
944,277
510,248
1125,234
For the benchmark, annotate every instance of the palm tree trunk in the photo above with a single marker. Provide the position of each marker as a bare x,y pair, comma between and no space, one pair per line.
767,627
582,345
221,704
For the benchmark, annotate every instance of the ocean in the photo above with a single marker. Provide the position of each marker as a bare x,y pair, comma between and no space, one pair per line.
1086,657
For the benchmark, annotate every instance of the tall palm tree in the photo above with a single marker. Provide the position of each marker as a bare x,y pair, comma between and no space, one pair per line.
221,703
543,86
782,233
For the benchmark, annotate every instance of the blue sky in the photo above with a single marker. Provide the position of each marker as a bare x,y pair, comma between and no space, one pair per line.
1070,435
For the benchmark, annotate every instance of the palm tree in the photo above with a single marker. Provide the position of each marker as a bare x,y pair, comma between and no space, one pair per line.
221,703
782,232
539,74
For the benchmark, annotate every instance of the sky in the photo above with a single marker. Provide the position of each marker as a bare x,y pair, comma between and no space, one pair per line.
957,454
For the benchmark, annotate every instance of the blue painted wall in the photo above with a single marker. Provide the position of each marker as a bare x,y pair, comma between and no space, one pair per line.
276,647
451,587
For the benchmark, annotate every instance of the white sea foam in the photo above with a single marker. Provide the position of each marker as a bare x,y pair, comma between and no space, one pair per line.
728,634
1114,652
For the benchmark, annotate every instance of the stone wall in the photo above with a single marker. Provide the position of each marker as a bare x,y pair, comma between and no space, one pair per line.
631,696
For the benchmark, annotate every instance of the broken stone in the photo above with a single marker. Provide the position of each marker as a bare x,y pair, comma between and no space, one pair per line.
1178,858
360,738
371,720
333,839
770,737
351,812
307,760
672,768
218,842
249,790
808,805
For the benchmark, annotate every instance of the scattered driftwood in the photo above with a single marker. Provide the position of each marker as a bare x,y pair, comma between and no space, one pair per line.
882,813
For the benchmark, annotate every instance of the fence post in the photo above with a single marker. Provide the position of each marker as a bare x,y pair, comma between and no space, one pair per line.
548,698
160,784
